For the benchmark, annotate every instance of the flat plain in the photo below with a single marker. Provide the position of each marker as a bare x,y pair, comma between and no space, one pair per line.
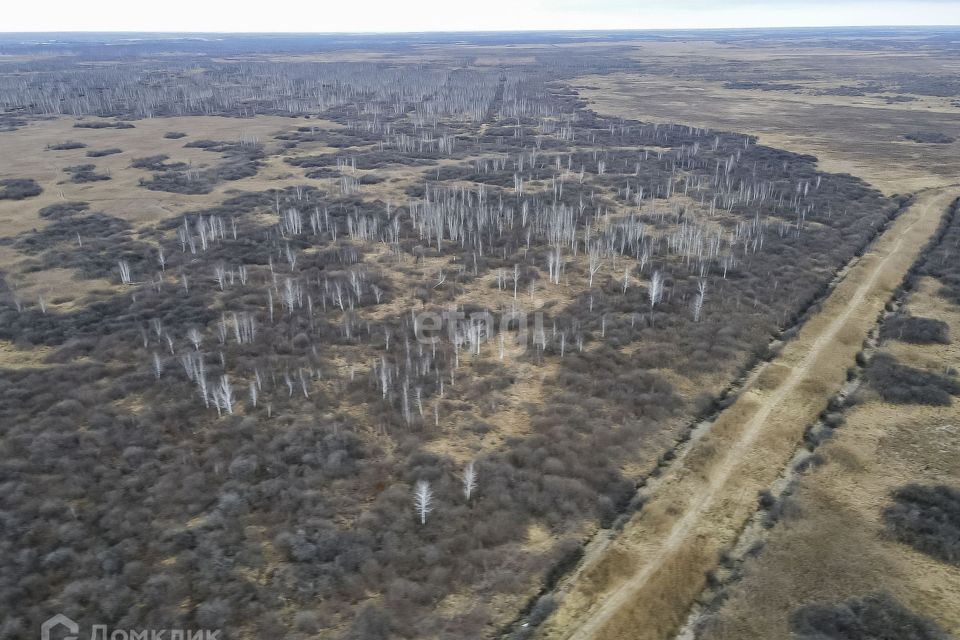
499,337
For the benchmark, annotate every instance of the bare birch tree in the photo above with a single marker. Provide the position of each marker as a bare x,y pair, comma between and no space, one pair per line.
469,480
423,500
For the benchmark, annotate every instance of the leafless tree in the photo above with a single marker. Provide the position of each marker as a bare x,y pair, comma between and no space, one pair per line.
697,305
469,480
220,275
224,393
423,500
655,290
124,271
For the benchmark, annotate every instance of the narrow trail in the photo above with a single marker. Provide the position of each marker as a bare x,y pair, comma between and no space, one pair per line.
706,499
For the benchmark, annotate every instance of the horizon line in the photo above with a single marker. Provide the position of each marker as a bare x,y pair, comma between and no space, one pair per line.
491,31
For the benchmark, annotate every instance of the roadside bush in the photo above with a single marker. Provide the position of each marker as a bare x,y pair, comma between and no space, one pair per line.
928,519
900,384
568,554
872,617
17,189
915,330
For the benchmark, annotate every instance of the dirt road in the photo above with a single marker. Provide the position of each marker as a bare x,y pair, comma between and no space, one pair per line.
644,582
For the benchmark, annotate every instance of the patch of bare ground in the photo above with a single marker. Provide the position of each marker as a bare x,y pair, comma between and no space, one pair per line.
835,547
643,583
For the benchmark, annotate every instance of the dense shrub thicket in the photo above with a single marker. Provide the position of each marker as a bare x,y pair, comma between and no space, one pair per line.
872,617
240,160
85,173
941,262
901,384
928,519
915,330
63,210
930,137
17,189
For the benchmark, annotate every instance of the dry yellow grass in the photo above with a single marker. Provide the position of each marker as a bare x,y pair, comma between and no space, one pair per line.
860,135
12,357
25,156
836,549
642,585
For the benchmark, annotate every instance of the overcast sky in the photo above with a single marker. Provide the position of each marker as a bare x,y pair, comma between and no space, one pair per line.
461,15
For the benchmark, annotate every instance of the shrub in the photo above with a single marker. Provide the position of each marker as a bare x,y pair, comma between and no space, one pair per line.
872,617
63,210
202,144
17,189
192,183
568,554
928,519
237,170
371,623
915,330
929,137
213,614
155,163
307,621
99,153
102,125
85,173
900,384
174,135
97,227
65,146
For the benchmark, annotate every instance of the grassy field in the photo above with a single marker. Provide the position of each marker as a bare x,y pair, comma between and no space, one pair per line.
646,579
858,134
835,545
